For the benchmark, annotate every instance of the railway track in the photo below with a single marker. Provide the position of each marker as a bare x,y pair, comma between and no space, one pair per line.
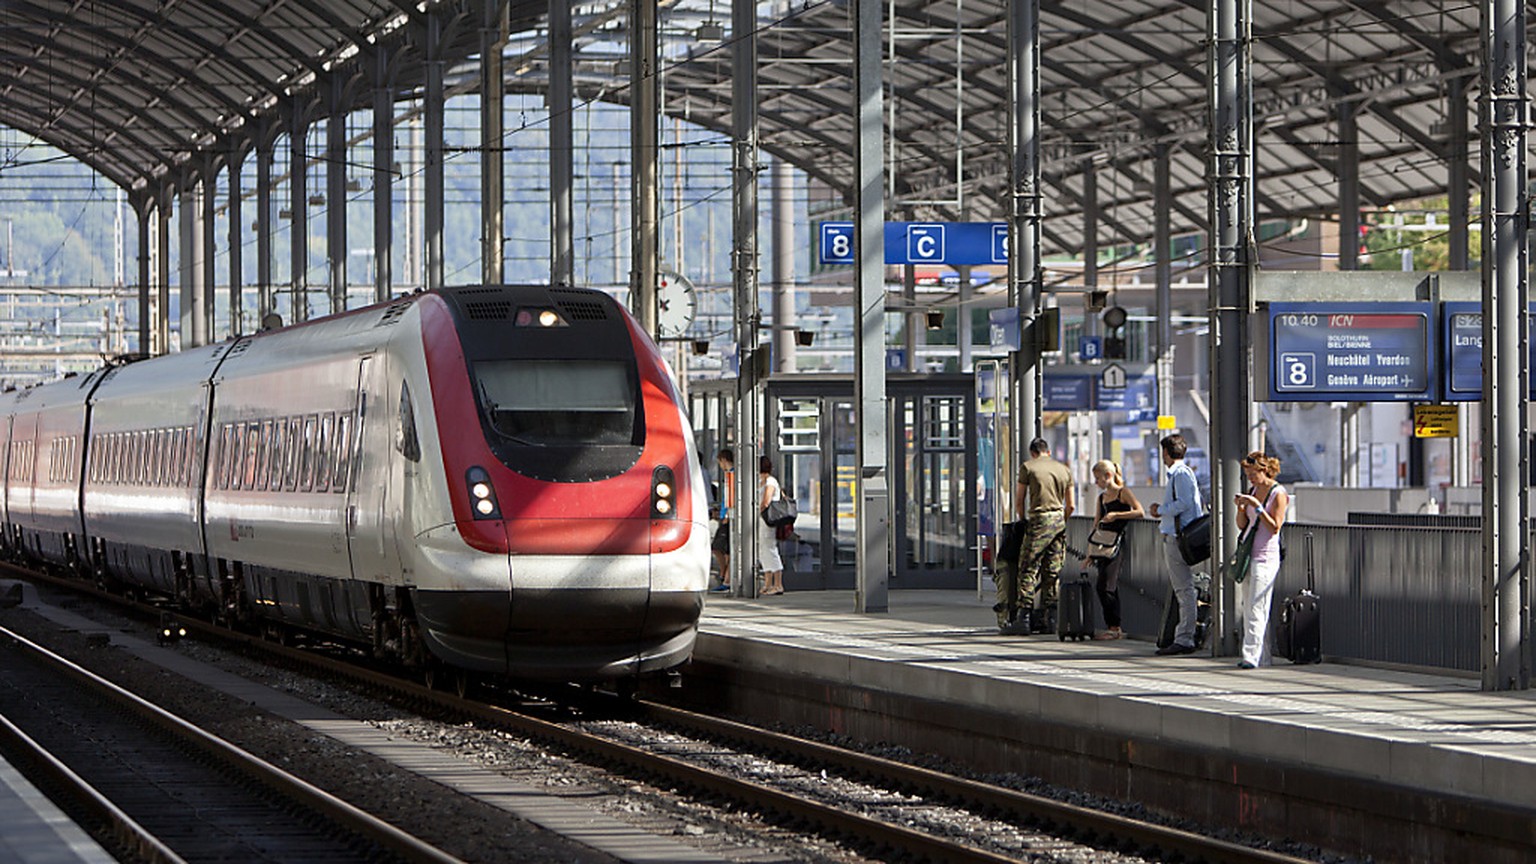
788,771
161,790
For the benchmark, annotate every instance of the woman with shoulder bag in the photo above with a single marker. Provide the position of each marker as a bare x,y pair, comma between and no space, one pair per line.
767,540
1117,506
1260,514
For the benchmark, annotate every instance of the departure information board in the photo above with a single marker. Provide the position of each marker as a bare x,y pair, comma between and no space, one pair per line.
1350,352
1463,328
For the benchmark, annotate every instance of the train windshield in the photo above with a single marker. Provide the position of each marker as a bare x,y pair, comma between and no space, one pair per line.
558,402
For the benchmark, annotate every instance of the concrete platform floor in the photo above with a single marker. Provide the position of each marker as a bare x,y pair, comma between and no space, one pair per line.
1416,732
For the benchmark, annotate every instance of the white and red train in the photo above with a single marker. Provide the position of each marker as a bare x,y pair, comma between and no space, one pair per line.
500,479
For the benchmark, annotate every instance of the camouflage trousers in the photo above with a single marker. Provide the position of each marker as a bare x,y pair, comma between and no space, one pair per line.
1033,577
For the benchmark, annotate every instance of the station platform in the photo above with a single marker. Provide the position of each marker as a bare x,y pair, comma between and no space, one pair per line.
35,831
1391,764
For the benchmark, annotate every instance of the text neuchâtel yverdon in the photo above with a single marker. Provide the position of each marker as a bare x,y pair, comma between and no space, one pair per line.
1364,357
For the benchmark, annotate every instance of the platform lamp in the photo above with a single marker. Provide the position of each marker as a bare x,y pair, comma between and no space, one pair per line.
804,337
700,347
935,319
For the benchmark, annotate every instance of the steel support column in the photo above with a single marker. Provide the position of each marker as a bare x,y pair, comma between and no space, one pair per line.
166,198
1230,286
872,522
432,121
1162,239
298,210
1506,533
264,304
208,243
644,156
187,217
1349,259
562,172
493,139
236,233
784,247
142,207
337,249
1025,285
1459,189
383,175
744,273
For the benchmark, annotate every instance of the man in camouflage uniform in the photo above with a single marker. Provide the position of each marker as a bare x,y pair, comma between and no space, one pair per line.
1045,497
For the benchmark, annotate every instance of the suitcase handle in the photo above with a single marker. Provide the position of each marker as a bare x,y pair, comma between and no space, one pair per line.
1311,583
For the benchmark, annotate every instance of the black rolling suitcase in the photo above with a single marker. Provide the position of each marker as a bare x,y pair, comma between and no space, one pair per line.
1299,636
1074,608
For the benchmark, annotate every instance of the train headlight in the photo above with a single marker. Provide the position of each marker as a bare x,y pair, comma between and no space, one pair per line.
534,316
482,495
663,488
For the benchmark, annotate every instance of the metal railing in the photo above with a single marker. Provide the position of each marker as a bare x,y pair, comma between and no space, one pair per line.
1392,595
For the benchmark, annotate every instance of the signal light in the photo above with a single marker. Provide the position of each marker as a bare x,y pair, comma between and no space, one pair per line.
170,631
1114,333
482,495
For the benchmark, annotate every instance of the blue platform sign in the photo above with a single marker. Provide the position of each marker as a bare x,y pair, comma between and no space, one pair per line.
1068,393
952,243
1090,347
1138,398
1350,352
1462,324
836,242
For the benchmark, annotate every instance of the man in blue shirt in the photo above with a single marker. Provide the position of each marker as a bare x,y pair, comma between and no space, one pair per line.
1181,503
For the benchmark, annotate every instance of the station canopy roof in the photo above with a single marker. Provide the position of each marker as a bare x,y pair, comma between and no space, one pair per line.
148,92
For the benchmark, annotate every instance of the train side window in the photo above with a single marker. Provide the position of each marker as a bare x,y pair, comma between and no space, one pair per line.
264,455
405,439
226,455
252,444
135,456
307,451
343,452
278,440
178,459
152,453
323,452
295,445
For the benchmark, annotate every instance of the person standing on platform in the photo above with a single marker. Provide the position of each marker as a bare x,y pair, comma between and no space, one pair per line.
768,558
1261,510
1044,496
1181,503
1117,506
721,547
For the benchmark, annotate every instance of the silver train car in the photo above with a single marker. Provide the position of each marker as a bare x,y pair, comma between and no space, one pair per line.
498,479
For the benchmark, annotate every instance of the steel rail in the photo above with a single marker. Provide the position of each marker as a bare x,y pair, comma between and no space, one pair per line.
347,816
122,828
1018,805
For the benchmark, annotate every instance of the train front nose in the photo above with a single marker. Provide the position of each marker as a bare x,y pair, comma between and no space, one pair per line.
565,616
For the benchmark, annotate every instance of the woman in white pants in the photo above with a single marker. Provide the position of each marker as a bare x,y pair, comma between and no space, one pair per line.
1262,509
768,558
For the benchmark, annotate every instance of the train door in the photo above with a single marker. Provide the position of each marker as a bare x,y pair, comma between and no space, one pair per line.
370,538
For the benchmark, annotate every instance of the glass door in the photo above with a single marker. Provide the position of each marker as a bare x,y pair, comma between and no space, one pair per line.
933,534
799,451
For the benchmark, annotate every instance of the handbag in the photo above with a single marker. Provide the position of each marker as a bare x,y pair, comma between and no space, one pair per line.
1103,544
1195,539
780,511
1242,556
1194,536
